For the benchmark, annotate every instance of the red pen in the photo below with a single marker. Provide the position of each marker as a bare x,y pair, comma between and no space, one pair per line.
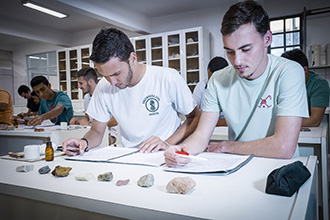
181,152
185,154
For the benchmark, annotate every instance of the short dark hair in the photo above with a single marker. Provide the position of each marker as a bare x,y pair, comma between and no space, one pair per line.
217,63
38,80
245,12
296,55
109,43
33,93
23,88
88,73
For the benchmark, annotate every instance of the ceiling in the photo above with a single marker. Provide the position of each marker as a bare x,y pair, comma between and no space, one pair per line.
20,24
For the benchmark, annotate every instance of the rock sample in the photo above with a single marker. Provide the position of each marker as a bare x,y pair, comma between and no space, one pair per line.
44,170
122,182
146,180
108,176
61,171
180,185
84,176
25,168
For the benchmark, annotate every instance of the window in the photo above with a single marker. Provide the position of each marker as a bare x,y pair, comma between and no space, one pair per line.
43,64
287,34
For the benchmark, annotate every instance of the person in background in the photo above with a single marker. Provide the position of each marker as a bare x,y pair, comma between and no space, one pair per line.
87,81
35,98
55,106
6,109
145,100
317,90
260,102
33,107
216,63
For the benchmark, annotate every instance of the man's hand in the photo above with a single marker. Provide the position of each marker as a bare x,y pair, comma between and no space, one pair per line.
73,146
173,159
3,126
153,144
217,147
74,121
37,120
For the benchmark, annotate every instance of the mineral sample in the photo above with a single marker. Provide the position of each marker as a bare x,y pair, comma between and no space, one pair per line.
44,170
84,176
105,177
25,168
122,182
61,171
180,185
146,180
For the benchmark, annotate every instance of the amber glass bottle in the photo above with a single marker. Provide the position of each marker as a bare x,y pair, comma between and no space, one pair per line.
15,123
49,152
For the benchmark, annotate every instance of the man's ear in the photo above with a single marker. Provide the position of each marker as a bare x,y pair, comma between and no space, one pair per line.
49,85
268,38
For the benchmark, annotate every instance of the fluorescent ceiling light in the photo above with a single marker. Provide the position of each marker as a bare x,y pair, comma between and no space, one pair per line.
43,9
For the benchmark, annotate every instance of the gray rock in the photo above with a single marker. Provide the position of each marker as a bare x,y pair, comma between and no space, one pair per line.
180,185
105,177
44,170
25,168
146,180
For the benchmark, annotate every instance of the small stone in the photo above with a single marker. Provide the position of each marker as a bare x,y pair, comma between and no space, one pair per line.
122,182
180,185
84,176
146,180
61,171
44,170
105,177
25,168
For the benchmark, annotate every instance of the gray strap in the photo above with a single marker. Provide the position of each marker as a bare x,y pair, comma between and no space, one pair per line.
254,107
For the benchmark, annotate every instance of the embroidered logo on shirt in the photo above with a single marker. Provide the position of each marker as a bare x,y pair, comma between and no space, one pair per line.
263,102
151,103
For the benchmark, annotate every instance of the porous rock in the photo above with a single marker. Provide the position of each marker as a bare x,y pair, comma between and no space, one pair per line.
108,176
84,176
180,185
146,180
44,170
60,171
25,168
122,182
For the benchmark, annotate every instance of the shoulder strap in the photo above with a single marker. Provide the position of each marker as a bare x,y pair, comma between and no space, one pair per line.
254,107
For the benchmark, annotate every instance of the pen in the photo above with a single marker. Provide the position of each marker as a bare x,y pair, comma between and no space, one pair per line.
186,155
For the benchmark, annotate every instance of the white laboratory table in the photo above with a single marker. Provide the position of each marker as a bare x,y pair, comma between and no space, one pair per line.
15,140
240,195
317,137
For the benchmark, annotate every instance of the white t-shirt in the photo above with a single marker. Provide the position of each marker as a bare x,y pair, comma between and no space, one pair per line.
149,108
285,95
87,99
199,92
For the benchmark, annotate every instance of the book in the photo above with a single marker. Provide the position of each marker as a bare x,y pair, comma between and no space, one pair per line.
216,163
122,155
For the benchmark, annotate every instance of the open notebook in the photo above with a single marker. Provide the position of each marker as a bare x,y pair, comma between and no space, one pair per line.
121,155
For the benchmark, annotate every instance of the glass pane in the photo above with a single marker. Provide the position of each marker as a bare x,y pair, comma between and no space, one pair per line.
157,54
140,44
156,42
278,40
174,52
292,38
277,52
277,26
192,77
173,39
192,37
292,24
192,50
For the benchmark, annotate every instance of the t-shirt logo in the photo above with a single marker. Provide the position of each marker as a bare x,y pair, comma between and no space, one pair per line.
151,103
263,102
50,107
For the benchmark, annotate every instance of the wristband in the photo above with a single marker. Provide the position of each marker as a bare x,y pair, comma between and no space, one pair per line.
166,143
86,148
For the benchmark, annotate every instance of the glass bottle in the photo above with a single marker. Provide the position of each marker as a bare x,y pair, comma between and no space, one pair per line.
15,123
49,152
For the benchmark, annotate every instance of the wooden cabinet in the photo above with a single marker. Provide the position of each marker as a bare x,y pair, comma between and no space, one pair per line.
187,51
70,61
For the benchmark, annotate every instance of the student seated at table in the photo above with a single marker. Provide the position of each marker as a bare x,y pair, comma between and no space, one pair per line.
35,98
262,107
6,109
145,100
215,64
55,106
32,106
317,90
87,82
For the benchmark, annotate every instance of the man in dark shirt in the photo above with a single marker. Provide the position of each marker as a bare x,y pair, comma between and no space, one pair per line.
33,107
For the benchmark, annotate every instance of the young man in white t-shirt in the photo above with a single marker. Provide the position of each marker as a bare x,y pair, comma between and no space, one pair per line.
274,127
145,100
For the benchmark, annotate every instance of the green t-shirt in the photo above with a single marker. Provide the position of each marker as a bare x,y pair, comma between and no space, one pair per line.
317,91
